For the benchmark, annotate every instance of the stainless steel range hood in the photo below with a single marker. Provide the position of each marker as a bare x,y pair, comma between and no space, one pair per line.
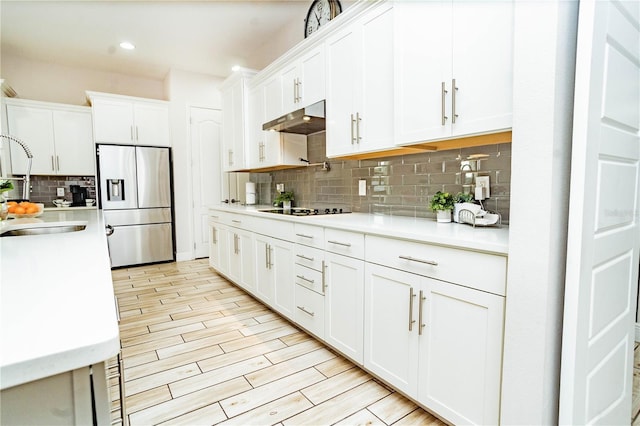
304,121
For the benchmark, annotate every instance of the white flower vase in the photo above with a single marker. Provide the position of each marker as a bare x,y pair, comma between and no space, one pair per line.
443,216
286,205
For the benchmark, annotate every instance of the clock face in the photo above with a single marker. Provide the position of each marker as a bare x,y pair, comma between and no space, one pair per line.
320,12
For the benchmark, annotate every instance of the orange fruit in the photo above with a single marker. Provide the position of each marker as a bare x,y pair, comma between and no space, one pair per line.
11,203
31,209
12,208
20,210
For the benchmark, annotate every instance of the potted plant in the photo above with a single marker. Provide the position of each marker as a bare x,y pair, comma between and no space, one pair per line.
5,186
460,198
284,199
442,204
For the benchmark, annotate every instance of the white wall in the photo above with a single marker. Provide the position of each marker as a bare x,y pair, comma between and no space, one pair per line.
186,89
45,81
544,62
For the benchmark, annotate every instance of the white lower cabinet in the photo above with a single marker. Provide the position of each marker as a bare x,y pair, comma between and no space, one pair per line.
274,268
399,308
344,305
438,342
240,249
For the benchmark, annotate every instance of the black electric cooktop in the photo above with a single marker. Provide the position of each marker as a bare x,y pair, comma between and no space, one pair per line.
306,211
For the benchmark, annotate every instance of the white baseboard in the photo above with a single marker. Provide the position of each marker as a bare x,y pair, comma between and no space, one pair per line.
181,257
637,332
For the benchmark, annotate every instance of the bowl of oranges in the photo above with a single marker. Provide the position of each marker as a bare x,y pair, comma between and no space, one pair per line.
24,209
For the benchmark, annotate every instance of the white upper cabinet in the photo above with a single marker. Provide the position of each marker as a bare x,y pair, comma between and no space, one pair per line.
59,136
360,85
235,127
127,120
267,149
453,69
303,81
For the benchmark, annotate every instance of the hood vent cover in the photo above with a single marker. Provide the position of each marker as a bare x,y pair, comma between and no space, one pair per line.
304,121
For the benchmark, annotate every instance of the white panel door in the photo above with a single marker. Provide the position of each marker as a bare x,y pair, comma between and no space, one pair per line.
604,230
206,173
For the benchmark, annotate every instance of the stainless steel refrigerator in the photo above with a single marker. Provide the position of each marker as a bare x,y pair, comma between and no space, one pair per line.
135,196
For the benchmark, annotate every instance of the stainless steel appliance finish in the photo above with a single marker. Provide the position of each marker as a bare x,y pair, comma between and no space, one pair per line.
304,121
135,195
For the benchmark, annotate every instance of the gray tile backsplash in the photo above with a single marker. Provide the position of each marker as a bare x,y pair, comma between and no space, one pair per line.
44,188
401,185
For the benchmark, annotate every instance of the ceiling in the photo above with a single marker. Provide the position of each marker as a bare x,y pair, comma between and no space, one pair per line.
199,36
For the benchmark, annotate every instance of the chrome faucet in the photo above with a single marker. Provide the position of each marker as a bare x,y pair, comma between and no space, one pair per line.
27,178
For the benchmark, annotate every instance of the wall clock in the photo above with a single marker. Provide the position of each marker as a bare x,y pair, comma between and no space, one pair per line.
320,12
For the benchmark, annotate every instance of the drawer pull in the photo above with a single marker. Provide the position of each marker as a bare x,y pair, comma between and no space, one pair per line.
236,221
413,259
324,284
304,236
310,259
302,277
305,311
339,243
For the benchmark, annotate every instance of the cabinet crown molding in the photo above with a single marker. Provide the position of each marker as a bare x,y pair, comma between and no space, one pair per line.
93,95
342,20
44,104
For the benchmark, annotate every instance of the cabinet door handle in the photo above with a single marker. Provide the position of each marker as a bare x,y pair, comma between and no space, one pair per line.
304,236
305,311
270,250
358,118
339,243
303,278
57,163
444,107
413,259
454,90
236,246
231,157
266,256
324,283
136,132
214,235
411,320
420,323
53,164
352,132
310,259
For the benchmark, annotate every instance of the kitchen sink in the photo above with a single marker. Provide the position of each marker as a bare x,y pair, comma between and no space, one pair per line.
42,228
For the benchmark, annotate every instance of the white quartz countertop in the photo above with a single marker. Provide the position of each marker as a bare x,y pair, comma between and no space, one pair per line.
57,306
493,240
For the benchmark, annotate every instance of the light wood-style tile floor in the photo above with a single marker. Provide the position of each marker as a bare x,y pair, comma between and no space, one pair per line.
198,350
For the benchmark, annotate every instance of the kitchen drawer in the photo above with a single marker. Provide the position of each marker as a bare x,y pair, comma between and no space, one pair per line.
231,219
481,271
309,312
346,243
309,235
280,229
309,278
309,256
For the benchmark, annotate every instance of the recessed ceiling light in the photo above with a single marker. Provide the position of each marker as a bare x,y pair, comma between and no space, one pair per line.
127,45
235,68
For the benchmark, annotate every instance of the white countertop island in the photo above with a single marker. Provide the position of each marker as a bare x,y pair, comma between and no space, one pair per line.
57,306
